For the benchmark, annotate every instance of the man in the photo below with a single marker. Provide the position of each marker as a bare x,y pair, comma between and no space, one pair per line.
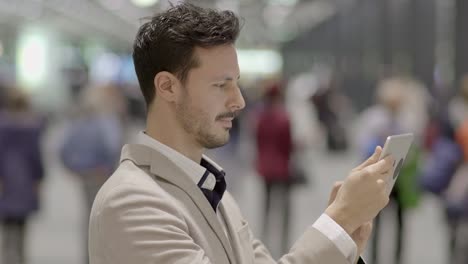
167,202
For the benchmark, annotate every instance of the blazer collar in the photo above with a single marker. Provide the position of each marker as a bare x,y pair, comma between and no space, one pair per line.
162,167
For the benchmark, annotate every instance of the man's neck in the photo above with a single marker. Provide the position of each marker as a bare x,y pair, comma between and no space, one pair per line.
166,131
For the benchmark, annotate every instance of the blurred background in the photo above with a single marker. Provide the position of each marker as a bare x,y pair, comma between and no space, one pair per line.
344,74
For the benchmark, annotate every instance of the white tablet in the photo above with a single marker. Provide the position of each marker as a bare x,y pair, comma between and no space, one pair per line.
398,147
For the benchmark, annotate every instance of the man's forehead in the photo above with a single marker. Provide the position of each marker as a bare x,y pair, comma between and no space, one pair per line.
220,54
220,61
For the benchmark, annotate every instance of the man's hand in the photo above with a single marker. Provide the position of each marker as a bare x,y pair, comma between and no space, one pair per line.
362,234
362,195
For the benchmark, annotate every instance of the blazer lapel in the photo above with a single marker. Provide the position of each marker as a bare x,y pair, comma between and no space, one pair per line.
232,231
164,168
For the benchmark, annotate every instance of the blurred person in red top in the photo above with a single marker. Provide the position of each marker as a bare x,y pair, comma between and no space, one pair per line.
274,149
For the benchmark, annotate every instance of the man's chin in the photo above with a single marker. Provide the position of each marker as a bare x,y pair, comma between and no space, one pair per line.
217,142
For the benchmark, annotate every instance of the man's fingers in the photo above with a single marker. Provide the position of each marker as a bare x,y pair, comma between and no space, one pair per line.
334,192
372,159
381,168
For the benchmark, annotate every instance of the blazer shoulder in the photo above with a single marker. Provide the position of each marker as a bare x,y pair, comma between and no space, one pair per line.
128,174
132,186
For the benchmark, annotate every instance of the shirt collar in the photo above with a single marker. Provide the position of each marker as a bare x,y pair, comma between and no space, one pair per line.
191,168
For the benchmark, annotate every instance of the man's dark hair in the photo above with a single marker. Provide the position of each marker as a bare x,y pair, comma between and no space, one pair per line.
167,42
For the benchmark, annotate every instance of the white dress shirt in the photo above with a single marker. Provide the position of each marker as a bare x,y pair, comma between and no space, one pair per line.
338,235
324,223
190,167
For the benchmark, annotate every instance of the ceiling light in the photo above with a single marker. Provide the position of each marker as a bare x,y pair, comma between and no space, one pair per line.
144,3
33,58
283,2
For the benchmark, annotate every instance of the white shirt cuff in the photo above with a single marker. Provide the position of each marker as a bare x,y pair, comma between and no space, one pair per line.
338,236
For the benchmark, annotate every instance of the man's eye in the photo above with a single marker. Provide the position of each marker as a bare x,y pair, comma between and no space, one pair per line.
220,85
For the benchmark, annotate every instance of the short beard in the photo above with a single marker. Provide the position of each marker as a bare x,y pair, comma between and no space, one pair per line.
193,125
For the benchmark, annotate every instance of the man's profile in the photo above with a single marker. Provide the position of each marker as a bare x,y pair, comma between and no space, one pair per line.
167,202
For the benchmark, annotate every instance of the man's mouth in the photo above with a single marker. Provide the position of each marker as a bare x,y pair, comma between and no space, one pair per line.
227,121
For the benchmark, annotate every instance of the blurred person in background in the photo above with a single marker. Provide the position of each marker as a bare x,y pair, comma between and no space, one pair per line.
92,142
458,106
332,105
441,167
456,198
21,172
76,76
451,183
305,126
445,171
274,149
401,108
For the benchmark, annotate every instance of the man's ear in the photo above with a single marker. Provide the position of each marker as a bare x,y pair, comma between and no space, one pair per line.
167,86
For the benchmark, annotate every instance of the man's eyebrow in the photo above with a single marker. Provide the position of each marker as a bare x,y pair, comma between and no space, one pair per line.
227,78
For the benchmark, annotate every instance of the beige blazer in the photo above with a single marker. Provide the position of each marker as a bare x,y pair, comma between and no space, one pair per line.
150,211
